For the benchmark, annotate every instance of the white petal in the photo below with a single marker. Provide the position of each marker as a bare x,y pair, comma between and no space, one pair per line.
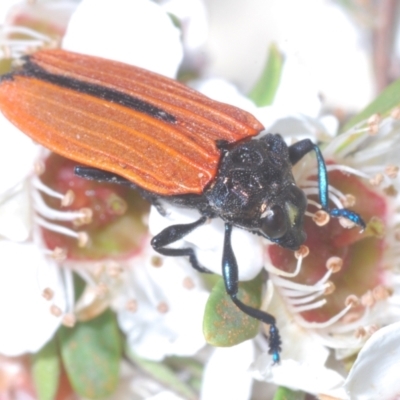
298,126
375,374
135,32
154,334
318,32
17,155
226,375
165,395
298,344
15,215
297,92
193,18
295,375
26,321
5,7
221,90
303,357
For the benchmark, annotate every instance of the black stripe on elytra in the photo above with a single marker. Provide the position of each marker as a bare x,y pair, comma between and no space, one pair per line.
32,70
6,77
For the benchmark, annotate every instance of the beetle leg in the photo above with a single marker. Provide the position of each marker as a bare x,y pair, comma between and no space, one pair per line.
230,275
174,233
98,175
95,174
299,150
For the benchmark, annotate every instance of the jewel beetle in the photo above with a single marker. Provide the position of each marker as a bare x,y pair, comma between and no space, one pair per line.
173,144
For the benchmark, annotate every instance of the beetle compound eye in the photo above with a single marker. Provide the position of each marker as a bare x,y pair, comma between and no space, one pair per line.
273,224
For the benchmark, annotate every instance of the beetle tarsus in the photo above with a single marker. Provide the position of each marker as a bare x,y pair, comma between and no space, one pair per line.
275,342
299,150
350,215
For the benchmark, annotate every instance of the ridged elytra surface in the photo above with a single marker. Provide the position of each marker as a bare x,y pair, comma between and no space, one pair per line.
153,131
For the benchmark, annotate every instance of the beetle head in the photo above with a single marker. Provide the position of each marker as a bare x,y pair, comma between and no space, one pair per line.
282,220
255,190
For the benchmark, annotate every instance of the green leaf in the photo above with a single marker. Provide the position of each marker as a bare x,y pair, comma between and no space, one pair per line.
224,324
79,286
165,375
286,394
194,367
386,101
91,353
187,366
46,370
263,92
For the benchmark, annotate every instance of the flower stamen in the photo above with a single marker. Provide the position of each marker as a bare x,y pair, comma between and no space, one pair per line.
68,320
188,283
330,288
301,253
58,254
334,264
348,201
48,294
131,305
373,124
329,322
56,311
82,237
392,171
162,307
376,180
321,218
66,198
80,217
395,113
114,270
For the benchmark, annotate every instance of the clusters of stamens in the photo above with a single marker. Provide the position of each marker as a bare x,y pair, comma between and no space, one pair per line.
47,217
51,219
301,297
355,320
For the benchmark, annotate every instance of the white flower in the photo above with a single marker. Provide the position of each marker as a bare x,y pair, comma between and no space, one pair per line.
347,286
374,374
30,226
227,374
27,320
160,306
33,296
134,32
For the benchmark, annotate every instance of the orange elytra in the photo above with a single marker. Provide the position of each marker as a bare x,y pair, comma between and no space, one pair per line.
151,130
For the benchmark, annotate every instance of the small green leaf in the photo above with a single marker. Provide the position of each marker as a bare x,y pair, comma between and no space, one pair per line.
165,375
286,394
386,101
91,353
194,367
224,324
46,369
263,92
191,368
79,286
